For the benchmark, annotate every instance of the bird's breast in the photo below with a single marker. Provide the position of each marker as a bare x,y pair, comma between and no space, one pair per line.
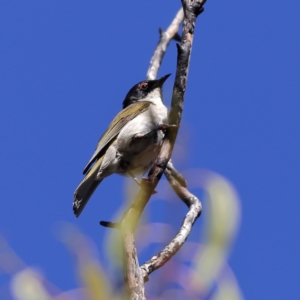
139,142
144,153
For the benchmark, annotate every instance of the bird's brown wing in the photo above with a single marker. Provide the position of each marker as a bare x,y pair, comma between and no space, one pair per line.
121,119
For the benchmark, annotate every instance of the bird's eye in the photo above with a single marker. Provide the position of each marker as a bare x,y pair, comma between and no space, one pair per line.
143,85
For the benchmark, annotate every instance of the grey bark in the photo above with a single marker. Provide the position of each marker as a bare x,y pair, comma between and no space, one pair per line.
134,275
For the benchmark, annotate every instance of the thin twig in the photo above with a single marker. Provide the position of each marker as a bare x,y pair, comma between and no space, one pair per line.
135,284
155,63
165,38
175,179
171,249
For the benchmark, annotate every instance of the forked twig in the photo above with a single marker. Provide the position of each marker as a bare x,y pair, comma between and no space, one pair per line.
134,275
165,38
192,8
171,249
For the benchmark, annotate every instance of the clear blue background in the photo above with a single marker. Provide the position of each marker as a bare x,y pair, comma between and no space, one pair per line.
65,67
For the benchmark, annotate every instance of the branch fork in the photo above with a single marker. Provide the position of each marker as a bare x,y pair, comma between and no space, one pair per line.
135,276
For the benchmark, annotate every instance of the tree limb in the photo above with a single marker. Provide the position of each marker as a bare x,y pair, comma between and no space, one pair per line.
165,38
171,249
191,10
134,276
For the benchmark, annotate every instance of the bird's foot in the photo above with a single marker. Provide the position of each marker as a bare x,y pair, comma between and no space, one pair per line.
164,127
141,182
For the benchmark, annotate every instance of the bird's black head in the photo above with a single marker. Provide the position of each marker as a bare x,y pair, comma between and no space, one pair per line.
142,89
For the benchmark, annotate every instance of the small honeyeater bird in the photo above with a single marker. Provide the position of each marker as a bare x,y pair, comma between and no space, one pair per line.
132,141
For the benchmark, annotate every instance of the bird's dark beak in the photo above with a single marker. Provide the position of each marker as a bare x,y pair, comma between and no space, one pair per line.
162,80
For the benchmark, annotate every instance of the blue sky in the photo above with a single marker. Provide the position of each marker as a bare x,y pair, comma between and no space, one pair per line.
66,67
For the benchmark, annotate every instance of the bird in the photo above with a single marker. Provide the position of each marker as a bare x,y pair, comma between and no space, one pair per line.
131,143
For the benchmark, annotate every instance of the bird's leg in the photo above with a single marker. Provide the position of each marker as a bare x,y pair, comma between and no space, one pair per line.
164,127
139,182
134,178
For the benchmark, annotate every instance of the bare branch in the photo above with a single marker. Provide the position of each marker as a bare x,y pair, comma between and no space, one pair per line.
132,273
176,180
175,174
171,249
192,8
165,38
134,276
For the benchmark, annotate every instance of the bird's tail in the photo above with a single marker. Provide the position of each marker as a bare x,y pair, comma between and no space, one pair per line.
86,188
